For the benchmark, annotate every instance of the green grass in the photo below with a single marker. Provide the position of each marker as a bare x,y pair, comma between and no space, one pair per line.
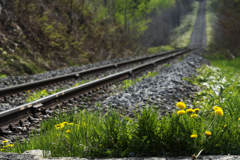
94,134
166,65
152,50
44,93
2,75
211,19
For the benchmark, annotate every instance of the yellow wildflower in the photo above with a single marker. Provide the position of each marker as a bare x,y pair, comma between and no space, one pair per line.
181,105
208,133
194,116
225,126
215,108
239,119
197,110
70,124
10,145
190,110
219,112
6,141
5,146
2,149
44,90
28,91
68,131
59,126
76,85
65,123
193,136
180,112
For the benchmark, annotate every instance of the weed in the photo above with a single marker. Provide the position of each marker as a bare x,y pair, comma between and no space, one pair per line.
180,59
127,83
40,94
166,65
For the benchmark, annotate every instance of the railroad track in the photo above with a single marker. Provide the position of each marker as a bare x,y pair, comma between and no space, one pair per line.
198,38
17,95
19,119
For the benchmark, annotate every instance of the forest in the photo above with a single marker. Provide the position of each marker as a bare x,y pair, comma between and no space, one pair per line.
41,35
226,39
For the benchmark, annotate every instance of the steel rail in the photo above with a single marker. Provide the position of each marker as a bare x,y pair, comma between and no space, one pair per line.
15,114
4,92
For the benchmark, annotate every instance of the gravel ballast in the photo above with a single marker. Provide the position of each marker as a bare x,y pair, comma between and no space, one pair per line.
163,90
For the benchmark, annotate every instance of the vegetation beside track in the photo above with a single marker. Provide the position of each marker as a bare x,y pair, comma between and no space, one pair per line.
33,96
213,125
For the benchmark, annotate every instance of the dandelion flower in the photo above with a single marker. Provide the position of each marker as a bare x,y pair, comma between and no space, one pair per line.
197,110
225,126
6,141
5,147
68,131
219,112
181,112
181,105
194,116
28,91
2,149
44,90
216,108
193,136
208,133
239,119
190,110
65,123
10,145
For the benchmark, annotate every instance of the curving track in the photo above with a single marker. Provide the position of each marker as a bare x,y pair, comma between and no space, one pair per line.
198,38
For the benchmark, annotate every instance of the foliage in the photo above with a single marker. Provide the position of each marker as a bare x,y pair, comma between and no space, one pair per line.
2,75
226,39
163,23
130,13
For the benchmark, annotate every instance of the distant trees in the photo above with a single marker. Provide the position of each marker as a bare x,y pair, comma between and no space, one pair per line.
131,13
163,22
227,30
